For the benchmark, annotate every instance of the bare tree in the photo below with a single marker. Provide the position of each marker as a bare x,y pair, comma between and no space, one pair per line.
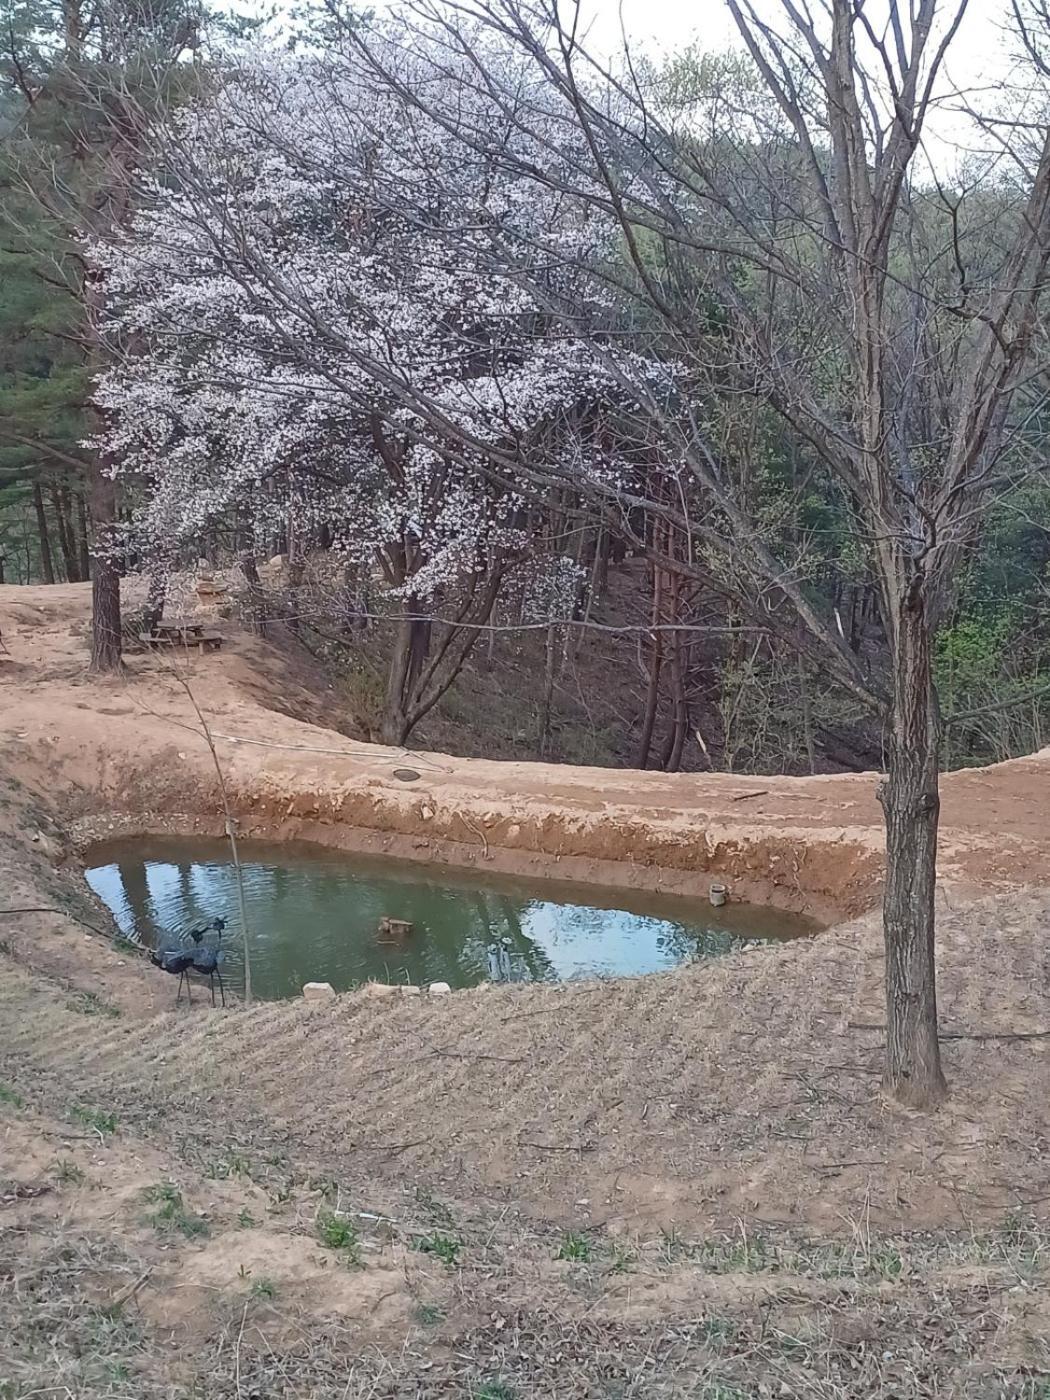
789,241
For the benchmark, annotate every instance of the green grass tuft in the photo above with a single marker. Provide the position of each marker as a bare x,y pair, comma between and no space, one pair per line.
102,1122
446,1247
495,1390
8,1095
68,1173
337,1232
171,1213
88,1004
575,1247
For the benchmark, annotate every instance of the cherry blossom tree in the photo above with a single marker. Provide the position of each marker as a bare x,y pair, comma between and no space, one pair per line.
306,320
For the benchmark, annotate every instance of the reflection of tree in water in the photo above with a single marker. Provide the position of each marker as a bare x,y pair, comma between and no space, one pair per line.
515,956
141,926
492,944
699,945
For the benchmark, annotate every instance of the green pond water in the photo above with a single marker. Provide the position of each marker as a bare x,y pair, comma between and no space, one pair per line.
313,916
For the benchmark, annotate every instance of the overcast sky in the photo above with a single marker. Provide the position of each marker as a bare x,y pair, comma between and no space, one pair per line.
667,24
981,57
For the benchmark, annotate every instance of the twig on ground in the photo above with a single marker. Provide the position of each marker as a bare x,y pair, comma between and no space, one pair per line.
961,1035
477,832
128,1291
559,1147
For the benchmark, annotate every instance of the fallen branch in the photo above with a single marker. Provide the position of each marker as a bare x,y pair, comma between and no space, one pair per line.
559,1147
127,1292
743,796
65,914
960,1035
477,832
470,1055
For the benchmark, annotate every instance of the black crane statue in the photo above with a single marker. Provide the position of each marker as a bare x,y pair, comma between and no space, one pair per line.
201,956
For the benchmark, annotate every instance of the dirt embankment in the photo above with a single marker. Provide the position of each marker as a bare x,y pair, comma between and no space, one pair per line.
677,1184
128,754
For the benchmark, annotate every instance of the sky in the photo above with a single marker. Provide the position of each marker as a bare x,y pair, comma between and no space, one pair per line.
981,57
667,24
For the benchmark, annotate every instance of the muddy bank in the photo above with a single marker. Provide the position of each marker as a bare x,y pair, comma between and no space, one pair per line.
780,871
128,756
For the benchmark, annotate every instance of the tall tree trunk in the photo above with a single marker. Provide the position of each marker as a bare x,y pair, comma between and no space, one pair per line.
47,567
393,725
911,802
105,577
83,552
411,647
155,600
681,707
256,597
550,656
66,541
652,696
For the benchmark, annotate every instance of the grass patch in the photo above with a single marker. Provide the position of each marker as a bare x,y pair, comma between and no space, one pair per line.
245,1219
88,1004
429,1314
435,1211
444,1247
495,1390
9,1096
97,1118
264,1288
337,1232
68,1173
621,1260
232,1165
576,1248
171,1214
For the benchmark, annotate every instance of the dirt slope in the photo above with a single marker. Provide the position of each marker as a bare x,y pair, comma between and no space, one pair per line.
133,747
739,1208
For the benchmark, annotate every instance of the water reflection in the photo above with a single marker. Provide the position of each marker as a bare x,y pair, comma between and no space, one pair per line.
315,916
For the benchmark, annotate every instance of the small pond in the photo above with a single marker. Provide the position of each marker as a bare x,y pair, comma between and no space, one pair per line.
314,916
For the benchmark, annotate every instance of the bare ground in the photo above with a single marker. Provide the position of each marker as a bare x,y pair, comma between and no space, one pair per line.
748,1216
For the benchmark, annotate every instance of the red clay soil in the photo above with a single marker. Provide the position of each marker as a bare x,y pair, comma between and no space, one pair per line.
744,1088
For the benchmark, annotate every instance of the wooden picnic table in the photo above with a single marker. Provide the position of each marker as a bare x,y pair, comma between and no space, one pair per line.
182,632
178,627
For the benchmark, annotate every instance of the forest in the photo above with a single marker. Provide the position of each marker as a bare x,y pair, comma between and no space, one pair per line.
410,561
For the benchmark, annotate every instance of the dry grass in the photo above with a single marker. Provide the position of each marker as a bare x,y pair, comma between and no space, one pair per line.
904,1318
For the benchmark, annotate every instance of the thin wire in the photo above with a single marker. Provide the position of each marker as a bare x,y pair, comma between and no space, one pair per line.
631,629
63,913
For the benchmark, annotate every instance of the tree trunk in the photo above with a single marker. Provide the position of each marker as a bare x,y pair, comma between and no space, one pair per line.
652,697
393,726
82,537
155,600
548,691
66,541
681,707
911,803
105,577
256,603
47,567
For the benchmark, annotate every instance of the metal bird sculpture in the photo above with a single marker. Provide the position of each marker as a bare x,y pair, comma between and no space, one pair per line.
201,954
